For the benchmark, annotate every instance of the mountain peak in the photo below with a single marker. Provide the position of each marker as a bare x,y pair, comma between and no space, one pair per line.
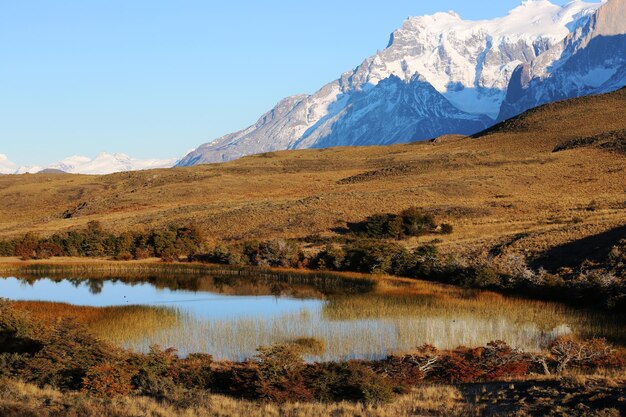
437,70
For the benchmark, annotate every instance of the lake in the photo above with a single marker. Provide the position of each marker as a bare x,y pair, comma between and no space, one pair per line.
231,316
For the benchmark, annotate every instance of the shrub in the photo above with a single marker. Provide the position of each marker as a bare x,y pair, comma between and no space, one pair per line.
107,380
222,255
17,331
446,229
499,360
142,253
152,377
416,223
477,277
377,257
195,371
454,368
351,381
567,351
124,256
67,353
331,257
26,248
275,253
279,375
384,226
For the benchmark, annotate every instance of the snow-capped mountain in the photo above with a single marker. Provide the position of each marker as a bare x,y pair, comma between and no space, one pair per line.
590,60
439,74
6,166
103,163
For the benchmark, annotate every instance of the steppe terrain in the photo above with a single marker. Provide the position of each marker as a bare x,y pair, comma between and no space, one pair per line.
503,188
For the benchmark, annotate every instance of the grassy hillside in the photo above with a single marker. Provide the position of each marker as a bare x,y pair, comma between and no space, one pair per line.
502,188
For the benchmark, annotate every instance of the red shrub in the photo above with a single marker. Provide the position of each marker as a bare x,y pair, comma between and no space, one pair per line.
107,380
455,368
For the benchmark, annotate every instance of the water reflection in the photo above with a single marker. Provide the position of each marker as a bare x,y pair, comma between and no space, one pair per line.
230,315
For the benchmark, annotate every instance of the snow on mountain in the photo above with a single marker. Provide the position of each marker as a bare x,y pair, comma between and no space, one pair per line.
590,60
6,166
103,163
463,67
107,163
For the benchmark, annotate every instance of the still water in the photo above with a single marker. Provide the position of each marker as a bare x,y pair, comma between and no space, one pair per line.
229,318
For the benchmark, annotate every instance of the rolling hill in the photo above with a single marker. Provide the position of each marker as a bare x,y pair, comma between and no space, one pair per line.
504,185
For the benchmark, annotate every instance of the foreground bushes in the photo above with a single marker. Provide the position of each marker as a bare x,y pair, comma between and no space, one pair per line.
64,356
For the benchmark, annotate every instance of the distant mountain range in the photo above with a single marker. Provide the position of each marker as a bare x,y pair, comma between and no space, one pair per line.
439,75
442,75
103,163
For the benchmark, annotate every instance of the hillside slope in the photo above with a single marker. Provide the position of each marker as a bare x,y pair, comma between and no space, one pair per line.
503,185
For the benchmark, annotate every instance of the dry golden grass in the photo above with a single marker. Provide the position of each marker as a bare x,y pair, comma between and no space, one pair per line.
570,395
490,188
25,399
115,324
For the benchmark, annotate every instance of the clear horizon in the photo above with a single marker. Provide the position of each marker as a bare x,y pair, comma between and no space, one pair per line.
156,80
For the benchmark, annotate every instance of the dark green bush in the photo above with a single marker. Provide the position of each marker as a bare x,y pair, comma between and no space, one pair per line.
274,253
352,381
478,277
170,244
331,258
379,257
410,222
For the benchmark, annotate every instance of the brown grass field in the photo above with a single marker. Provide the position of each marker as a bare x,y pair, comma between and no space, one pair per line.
491,188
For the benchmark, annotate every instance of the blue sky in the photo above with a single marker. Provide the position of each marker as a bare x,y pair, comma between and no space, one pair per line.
155,78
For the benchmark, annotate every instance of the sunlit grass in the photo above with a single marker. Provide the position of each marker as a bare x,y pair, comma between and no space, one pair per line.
119,325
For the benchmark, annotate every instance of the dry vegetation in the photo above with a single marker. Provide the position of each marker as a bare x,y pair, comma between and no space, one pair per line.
505,187
576,395
504,192
20,399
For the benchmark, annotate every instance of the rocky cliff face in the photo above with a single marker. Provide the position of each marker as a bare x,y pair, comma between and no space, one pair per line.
439,74
590,60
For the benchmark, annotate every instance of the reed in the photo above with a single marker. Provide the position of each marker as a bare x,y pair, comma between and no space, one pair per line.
119,325
358,318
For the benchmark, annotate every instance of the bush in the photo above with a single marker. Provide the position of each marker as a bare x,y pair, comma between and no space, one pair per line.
331,258
67,353
94,241
446,229
275,253
410,222
477,277
223,256
107,380
17,331
152,376
279,375
377,257
26,248
416,223
384,226
455,368
276,374
498,360
195,371
567,351
351,381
